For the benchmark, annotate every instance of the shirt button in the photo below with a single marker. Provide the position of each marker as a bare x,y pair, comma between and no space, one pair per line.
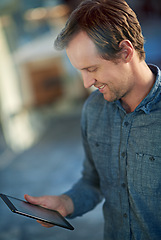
123,185
123,154
152,158
126,124
125,215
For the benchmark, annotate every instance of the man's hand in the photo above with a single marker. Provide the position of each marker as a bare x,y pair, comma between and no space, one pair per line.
63,204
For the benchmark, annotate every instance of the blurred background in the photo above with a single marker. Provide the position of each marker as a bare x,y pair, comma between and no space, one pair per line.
41,97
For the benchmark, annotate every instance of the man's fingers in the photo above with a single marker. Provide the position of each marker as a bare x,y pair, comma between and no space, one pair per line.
47,225
33,200
37,201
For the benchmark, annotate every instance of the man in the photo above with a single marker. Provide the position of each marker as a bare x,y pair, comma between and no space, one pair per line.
121,122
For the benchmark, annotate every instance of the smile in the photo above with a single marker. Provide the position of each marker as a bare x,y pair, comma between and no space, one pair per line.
101,88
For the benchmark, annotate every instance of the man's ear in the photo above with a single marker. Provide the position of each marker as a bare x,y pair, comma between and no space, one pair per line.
127,50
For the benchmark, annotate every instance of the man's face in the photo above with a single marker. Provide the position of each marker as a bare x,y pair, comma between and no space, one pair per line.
112,79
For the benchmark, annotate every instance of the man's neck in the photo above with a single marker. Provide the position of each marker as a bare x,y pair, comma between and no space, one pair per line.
144,81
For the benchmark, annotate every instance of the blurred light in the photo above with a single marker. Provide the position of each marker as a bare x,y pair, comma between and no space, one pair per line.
36,14
39,14
59,11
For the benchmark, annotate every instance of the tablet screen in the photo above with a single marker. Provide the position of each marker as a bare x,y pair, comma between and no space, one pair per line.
37,212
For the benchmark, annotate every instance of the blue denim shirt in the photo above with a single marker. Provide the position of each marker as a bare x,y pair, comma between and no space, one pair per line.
122,165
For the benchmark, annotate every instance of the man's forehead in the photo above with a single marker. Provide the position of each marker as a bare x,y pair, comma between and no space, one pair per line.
81,41
82,51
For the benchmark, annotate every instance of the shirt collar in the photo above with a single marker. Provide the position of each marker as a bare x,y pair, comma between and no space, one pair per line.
155,93
153,96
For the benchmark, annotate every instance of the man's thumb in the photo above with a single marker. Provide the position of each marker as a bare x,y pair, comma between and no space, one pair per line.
33,200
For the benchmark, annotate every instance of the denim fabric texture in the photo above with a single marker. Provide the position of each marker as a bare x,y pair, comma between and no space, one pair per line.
122,165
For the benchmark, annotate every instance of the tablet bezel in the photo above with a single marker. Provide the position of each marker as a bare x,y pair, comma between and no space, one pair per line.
8,201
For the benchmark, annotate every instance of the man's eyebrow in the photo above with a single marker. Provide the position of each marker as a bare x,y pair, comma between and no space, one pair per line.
85,68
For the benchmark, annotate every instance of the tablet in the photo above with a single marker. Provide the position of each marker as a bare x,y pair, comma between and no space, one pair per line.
36,212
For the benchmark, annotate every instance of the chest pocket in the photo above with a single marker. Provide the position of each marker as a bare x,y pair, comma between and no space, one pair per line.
147,174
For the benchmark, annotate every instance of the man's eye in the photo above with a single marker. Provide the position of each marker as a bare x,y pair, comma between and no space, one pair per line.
92,70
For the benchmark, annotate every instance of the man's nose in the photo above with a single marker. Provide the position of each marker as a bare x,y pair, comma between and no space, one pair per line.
88,80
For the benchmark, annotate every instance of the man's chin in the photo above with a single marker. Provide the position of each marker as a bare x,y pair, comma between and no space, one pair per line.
109,99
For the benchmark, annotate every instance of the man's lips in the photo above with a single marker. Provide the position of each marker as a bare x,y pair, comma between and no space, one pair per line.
101,87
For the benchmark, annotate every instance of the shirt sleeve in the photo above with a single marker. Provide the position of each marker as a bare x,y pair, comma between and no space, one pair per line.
85,194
